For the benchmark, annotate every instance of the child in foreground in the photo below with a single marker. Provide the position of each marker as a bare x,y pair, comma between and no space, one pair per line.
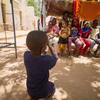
38,65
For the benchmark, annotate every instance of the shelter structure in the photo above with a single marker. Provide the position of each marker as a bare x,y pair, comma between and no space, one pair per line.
55,8
82,9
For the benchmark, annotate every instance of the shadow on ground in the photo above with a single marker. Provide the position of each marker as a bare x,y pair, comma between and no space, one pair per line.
12,76
79,77
75,78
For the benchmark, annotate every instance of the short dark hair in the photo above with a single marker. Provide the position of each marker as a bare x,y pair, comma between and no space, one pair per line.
64,13
95,22
36,40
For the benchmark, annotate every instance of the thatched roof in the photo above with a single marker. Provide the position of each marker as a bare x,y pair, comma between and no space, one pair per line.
58,7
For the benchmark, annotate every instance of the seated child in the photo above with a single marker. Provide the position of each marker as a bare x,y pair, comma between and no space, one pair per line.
85,33
97,42
38,65
74,36
63,37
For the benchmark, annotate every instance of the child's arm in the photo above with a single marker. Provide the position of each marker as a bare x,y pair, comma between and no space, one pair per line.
68,31
52,51
60,33
82,42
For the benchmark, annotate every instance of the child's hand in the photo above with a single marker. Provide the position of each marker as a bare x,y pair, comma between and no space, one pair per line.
52,50
84,45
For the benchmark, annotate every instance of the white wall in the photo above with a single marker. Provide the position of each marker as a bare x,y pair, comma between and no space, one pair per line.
0,14
28,18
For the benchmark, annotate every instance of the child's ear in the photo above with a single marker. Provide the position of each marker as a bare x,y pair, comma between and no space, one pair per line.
43,48
29,46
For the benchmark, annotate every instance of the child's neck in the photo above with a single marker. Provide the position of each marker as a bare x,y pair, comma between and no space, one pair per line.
36,53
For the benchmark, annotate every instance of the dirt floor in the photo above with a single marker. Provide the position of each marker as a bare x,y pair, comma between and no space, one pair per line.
75,78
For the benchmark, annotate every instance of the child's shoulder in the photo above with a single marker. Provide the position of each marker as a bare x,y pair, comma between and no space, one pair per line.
27,54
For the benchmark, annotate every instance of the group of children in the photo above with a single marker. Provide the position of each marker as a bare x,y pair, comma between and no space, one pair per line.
38,63
61,31
80,35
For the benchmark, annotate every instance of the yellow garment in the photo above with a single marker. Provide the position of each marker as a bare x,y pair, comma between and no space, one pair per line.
88,10
65,32
62,46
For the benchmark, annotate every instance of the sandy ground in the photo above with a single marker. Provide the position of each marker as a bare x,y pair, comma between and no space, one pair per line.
75,78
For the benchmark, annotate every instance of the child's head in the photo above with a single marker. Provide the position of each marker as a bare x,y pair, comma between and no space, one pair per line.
50,24
99,36
36,41
95,23
64,24
65,15
54,21
75,22
86,24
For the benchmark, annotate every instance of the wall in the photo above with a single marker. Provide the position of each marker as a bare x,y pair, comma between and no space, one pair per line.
24,15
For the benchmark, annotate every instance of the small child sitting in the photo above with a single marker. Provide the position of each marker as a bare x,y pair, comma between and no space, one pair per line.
63,38
97,42
38,65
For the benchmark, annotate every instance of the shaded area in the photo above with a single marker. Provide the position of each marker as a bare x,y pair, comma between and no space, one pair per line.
58,7
75,78
79,77
12,77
